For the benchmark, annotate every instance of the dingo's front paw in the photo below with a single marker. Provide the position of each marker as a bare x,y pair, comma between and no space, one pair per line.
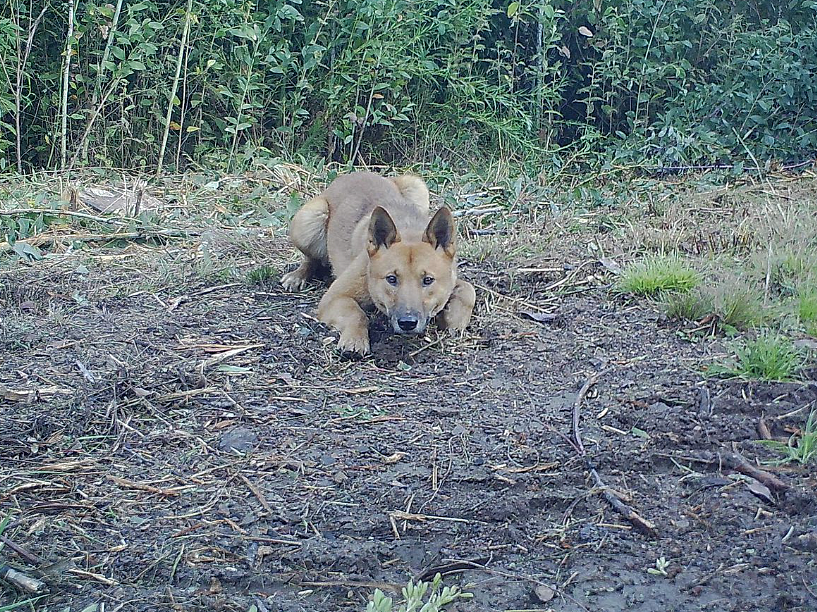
456,315
293,281
355,343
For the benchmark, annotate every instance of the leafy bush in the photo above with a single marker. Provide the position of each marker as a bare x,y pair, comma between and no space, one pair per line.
553,81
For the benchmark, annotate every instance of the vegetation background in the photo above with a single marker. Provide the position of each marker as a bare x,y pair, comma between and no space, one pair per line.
141,84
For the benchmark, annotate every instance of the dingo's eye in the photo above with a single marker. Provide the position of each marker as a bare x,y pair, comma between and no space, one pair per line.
428,280
392,280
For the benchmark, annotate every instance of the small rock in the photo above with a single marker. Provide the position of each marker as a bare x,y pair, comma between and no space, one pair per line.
239,439
807,541
544,593
339,477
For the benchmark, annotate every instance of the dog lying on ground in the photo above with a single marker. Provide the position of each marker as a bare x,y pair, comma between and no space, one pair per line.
375,234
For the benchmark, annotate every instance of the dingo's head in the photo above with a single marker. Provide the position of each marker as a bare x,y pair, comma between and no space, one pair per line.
411,281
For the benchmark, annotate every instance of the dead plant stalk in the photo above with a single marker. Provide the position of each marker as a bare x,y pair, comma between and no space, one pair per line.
175,87
66,78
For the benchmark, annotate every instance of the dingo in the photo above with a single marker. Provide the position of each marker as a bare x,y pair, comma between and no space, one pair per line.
384,252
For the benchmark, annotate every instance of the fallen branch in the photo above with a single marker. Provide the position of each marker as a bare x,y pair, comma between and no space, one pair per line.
763,430
92,576
129,484
24,553
483,232
219,357
738,462
408,516
639,522
258,495
577,405
58,212
21,581
477,211
44,240
30,395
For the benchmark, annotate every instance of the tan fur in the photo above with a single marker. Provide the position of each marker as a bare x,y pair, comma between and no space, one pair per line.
308,233
384,253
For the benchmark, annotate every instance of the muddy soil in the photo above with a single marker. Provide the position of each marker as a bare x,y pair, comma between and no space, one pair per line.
203,448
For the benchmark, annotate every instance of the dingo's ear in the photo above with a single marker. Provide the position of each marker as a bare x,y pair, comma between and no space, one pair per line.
382,231
440,231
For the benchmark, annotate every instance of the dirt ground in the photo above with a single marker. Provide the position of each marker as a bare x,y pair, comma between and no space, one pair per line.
192,444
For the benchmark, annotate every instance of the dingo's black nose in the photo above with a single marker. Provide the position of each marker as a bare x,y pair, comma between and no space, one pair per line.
407,323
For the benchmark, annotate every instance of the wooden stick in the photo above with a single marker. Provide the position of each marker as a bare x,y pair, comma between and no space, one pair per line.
471,212
738,462
577,405
21,581
408,516
96,110
18,89
258,495
129,484
24,553
639,522
763,430
175,86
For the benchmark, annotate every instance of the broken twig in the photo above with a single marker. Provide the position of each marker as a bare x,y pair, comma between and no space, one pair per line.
738,462
639,522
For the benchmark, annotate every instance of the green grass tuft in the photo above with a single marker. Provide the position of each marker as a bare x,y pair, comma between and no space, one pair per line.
690,305
655,275
262,275
807,305
801,448
738,303
806,308
769,357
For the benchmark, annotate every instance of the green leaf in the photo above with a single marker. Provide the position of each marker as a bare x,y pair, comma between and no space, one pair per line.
229,369
27,251
513,9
